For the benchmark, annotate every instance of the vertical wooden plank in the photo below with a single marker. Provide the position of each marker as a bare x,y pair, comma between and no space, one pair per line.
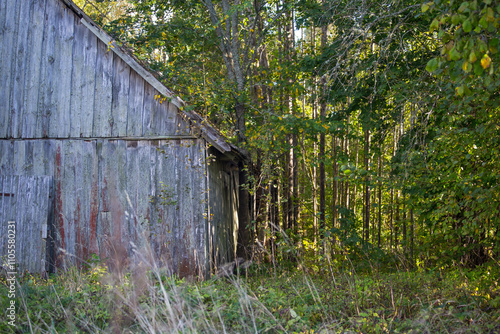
168,118
22,50
185,213
7,61
6,157
170,178
143,191
83,193
118,191
88,82
28,168
154,213
103,220
19,157
32,222
59,124
164,206
48,166
48,71
121,77
147,113
59,219
21,228
32,83
3,15
91,155
112,169
131,211
77,209
103,118
43,227
68,199
77,82
39,158
135,105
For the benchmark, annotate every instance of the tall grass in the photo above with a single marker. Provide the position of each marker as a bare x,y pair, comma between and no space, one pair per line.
144,298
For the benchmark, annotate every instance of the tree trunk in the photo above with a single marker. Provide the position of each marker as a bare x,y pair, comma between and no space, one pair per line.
244,237
379,196
322,176
366,225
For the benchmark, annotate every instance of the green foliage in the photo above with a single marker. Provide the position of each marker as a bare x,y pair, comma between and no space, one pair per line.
71,302
289,301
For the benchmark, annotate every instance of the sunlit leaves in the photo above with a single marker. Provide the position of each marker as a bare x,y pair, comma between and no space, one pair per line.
485,61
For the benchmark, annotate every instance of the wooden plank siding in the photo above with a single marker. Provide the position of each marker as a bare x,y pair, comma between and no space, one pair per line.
145,192
63,82
98,143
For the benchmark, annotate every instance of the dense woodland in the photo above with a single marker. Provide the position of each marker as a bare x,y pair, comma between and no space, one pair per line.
372,126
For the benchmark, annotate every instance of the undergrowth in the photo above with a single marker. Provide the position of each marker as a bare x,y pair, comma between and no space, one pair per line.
263,301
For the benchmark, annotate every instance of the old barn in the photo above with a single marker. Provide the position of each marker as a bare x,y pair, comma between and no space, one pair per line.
98,157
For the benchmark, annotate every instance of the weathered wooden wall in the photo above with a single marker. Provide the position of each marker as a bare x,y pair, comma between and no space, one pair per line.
60,81
107,193
84,114
25,201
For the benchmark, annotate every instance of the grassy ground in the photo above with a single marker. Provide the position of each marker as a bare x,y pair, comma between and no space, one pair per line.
264,301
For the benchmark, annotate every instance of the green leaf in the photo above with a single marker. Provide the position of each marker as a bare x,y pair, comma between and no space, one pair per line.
472,57
464,6
467,26
455,19
460,90
432,65
483,22
425,6
434,25
454,54
478,69
490,14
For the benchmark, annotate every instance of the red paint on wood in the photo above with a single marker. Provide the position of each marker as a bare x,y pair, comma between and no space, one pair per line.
81,243
94,211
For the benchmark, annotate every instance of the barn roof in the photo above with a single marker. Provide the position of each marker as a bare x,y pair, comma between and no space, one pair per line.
207,131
